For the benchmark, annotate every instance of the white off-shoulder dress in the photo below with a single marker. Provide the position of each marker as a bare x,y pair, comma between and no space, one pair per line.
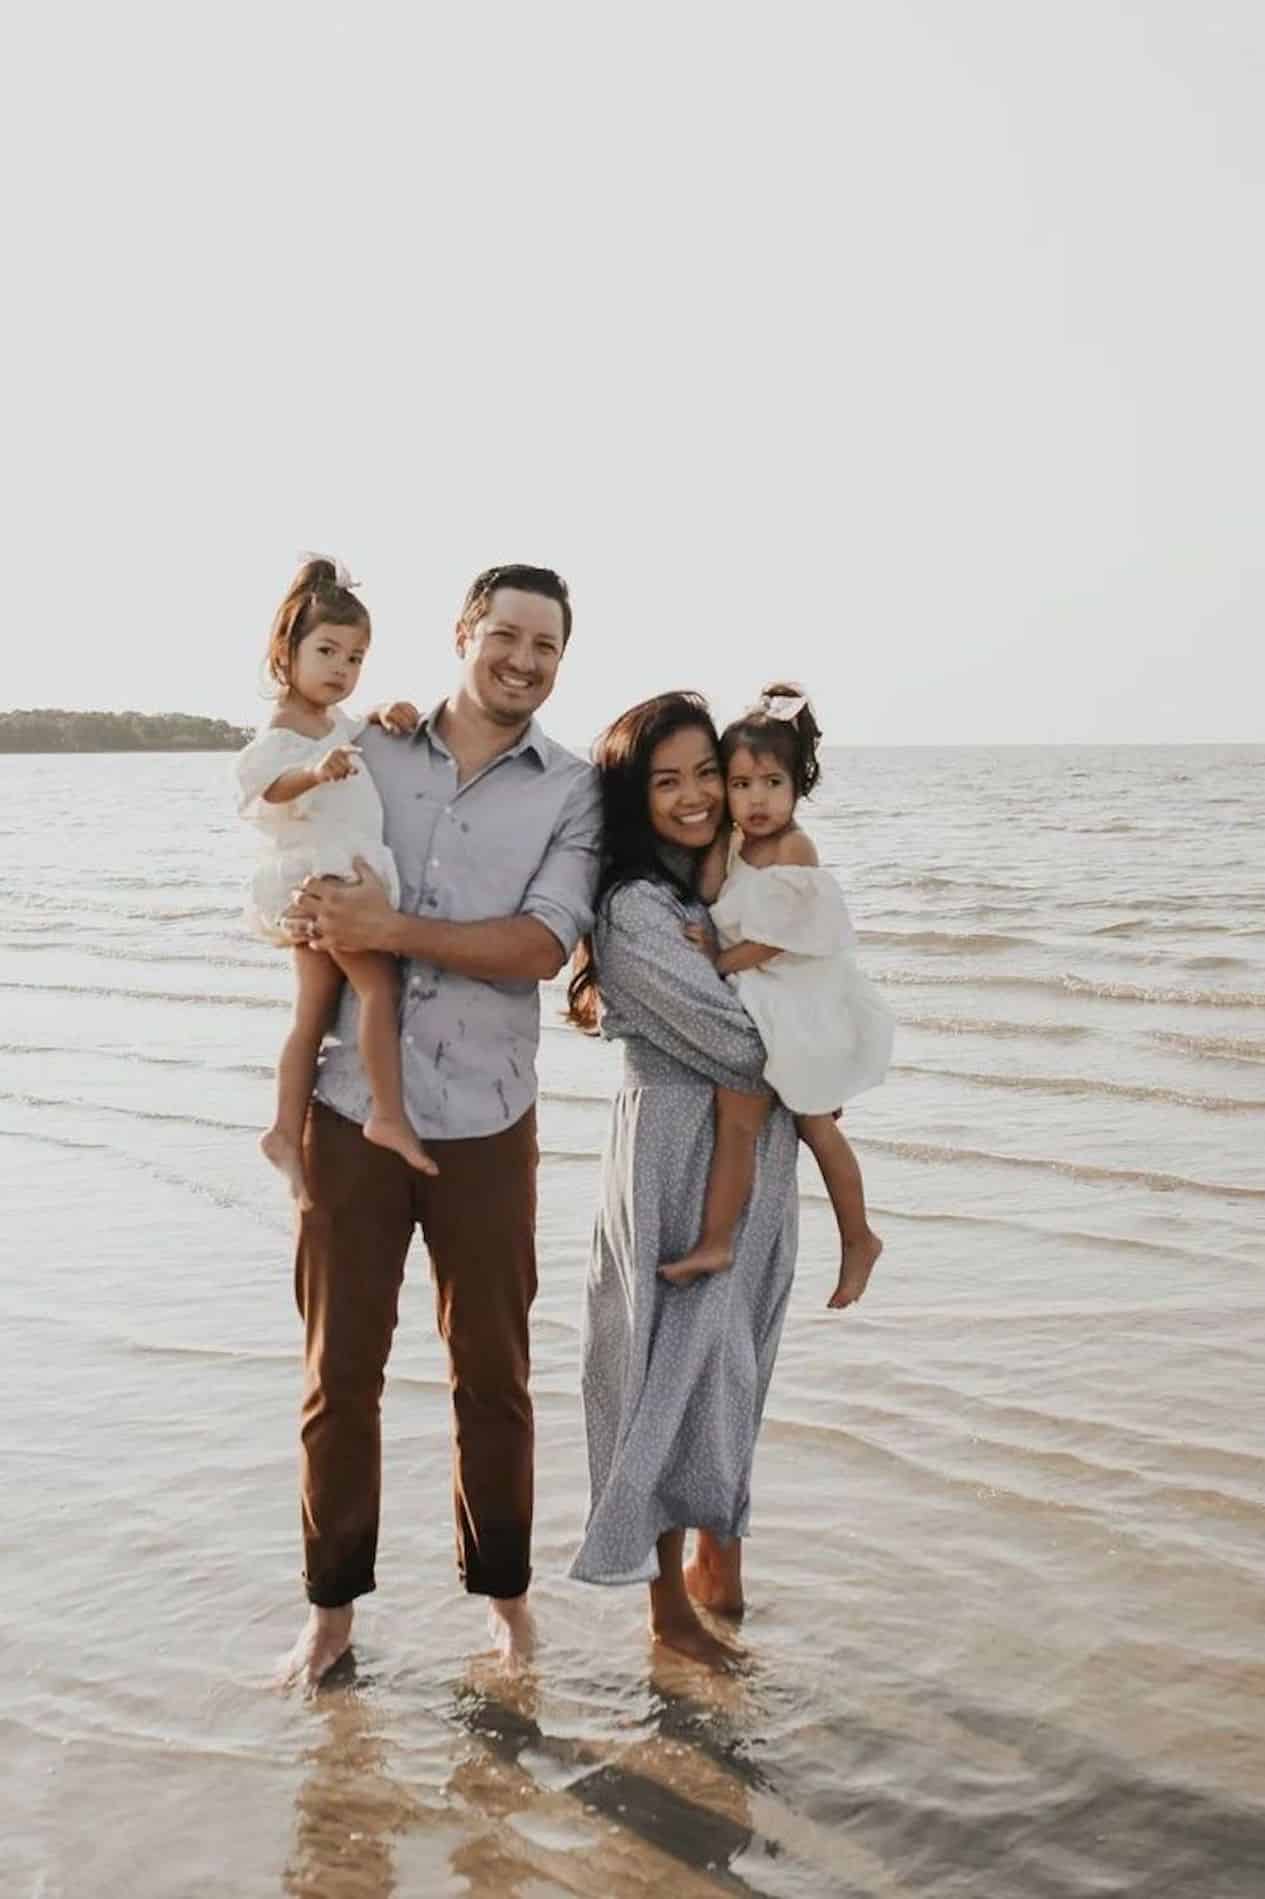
825,1028
319,834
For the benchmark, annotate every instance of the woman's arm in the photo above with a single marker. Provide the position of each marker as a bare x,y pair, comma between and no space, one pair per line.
659,988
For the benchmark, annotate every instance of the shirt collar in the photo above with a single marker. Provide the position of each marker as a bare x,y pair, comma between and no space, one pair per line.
533,739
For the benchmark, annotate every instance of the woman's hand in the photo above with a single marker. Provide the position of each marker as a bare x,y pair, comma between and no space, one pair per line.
400,717
339,762
701,937
349,918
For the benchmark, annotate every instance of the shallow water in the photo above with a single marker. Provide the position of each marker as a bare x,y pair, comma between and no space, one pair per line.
1006,1559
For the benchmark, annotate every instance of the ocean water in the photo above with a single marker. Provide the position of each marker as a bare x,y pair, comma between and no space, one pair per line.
1005,1570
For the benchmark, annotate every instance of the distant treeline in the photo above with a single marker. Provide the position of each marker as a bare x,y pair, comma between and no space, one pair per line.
52,731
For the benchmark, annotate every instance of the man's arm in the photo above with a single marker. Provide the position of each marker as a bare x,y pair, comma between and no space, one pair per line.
531,946
354,918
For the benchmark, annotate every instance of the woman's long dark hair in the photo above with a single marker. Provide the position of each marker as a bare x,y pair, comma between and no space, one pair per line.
631,849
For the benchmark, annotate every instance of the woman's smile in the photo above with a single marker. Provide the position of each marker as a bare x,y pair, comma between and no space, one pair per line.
686,791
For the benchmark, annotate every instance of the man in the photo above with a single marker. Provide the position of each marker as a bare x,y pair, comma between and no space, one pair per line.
496,831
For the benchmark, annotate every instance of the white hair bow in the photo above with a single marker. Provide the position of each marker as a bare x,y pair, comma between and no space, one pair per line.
342,575
783,705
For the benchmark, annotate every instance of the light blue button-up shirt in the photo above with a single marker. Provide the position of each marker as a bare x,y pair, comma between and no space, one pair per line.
520,838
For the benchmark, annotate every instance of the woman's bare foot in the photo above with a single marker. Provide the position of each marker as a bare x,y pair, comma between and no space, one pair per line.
512,1627
325,1639
703,1259
400,1138
859,1258
287,1158
714,1578
676,1626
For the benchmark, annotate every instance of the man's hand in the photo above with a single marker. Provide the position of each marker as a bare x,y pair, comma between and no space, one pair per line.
701,937
349,918
400,717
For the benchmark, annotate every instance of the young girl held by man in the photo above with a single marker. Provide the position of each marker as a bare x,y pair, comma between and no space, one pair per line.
317,811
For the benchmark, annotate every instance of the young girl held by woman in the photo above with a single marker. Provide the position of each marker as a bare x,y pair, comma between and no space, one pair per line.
787,941
317,810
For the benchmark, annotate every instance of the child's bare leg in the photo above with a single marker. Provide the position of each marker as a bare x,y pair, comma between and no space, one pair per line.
739,1119
859,1246
373,977
316,985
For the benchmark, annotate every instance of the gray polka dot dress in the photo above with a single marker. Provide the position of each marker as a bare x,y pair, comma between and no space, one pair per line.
674,1378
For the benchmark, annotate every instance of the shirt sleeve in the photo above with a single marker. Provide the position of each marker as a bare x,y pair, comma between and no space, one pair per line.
263,761
658,986
561,893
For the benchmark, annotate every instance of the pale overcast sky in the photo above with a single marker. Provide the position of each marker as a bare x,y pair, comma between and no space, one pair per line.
911,348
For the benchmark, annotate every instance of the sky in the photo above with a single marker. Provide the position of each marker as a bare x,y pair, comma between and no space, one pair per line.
910,349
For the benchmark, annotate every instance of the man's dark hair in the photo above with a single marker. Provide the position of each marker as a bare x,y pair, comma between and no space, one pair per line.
541,580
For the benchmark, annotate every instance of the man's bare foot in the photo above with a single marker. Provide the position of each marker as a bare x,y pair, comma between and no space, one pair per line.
512,1627
714,1578
859,1259
678,1628
287,1158
400,1138
703,1259
325,1639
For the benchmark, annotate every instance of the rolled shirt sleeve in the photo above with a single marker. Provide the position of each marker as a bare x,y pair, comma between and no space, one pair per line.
560,894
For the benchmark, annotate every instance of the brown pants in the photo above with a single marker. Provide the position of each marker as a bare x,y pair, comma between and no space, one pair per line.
478,1220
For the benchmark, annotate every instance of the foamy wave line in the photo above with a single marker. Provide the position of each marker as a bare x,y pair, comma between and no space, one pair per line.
1229,1048
1072,1170
145,995
256,1070
78,1105
1084,1085
965,1025
950,941
1077,986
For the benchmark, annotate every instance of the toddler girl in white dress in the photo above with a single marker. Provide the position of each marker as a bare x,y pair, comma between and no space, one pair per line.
317,810
787,942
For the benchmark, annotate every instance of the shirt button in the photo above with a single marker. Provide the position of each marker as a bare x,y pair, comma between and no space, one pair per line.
408,1041
434,863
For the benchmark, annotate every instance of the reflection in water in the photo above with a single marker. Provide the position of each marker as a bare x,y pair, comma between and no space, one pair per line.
348,1809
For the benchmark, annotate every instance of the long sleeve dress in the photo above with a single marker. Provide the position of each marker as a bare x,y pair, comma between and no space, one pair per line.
674,1378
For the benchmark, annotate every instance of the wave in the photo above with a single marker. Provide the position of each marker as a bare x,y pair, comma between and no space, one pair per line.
77,1105
1085,1085
1228,1048
146,995
966,1025
1070,985
1113,1242
1073,1170
948,940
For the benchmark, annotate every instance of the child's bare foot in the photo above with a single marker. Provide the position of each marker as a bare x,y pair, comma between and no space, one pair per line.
400,1138
678,1628
287,1158
325,1639
702,1260
714,1578
859,1258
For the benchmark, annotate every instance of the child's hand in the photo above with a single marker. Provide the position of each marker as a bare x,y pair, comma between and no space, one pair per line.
401,716
340,762
701,937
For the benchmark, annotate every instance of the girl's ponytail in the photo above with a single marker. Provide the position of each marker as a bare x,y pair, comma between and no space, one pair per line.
320,591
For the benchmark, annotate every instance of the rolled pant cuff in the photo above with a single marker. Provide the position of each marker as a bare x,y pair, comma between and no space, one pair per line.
480,1580
335,1592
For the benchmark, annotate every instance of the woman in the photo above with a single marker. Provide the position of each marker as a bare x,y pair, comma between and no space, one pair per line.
674,1377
